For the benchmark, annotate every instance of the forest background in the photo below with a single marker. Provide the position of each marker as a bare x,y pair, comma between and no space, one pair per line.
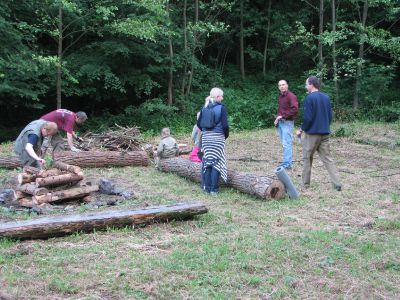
152,63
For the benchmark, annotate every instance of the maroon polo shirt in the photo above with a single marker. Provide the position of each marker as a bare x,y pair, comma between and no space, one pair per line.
288,105
64,119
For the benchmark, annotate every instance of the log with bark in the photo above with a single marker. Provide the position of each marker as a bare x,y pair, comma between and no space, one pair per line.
102,158
10,162
66,167
61,225
31,175
74,193
32,189
261,186
58,180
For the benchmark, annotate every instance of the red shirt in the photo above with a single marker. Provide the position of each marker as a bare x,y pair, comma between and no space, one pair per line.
64,119
288,105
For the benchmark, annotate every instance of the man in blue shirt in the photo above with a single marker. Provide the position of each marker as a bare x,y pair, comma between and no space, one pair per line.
317,118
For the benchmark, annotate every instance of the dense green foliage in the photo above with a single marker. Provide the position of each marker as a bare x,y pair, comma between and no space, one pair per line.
152,63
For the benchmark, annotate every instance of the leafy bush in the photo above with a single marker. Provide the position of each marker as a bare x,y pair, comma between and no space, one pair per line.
345,130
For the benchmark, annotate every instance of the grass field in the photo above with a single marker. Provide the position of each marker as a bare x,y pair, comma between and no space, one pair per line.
325,245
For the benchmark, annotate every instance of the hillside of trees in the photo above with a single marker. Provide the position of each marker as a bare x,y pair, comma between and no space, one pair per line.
152,63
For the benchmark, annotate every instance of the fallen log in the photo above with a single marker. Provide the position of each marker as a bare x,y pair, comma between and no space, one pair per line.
73,193
31,189
61,225
102,158
261,186
58,180
10,162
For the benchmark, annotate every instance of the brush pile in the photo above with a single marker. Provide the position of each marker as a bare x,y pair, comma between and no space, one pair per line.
117,138
63,182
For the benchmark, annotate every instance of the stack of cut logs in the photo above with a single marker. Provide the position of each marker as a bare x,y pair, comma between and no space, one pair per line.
63,182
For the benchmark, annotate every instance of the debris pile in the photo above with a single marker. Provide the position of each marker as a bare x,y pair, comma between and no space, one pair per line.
117,138
41,187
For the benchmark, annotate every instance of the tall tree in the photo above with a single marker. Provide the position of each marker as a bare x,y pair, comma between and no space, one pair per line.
241,41
363,22
267,37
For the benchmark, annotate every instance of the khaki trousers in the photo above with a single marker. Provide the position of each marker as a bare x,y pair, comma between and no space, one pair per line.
319,143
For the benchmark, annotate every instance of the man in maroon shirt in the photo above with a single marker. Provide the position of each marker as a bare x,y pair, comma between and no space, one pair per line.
288,107
65,121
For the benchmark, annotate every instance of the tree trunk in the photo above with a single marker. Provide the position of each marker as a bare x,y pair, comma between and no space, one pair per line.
241,50
261,186
334,62
185,46
74,193
356,99
171,66
58,180
321,31
10,162
102,159
62,225
267,38
196,19
60,45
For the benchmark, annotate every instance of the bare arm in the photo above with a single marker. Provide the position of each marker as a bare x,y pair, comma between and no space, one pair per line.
32,153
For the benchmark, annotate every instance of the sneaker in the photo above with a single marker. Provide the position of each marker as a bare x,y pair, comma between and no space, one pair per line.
337,187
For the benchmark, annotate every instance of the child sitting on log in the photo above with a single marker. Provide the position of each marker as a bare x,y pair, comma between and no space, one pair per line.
167,147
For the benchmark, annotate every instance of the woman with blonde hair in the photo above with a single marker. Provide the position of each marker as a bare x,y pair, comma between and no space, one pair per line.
213,123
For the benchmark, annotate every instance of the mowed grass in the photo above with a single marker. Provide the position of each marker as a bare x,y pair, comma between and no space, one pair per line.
325,245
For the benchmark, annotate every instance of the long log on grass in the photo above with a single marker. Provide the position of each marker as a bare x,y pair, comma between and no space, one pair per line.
74,193
61,225
261,186
10,162
102,158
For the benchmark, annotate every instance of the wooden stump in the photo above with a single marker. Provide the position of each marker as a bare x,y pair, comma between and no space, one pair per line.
102,158
261,186
62,225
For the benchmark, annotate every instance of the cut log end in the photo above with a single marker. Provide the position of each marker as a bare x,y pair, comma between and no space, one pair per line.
276,190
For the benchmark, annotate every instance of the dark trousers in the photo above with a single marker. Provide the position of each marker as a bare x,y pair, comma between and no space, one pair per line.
210,180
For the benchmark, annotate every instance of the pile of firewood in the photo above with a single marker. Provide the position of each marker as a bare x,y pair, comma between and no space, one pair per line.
63,182
117,138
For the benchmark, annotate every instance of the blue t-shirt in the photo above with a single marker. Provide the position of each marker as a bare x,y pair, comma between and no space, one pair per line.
33,139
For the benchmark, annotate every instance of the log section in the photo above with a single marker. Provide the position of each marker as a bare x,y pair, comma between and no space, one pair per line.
261,186
58,180
102,158
31,189
62,225
10,162
73,193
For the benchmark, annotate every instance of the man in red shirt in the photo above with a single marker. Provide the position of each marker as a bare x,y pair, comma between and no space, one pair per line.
288,107
65,121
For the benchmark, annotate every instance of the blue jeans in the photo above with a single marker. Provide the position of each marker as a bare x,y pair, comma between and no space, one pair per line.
286,134
211,177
